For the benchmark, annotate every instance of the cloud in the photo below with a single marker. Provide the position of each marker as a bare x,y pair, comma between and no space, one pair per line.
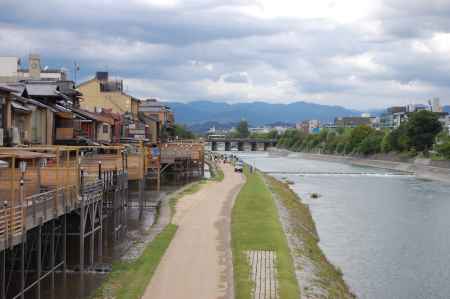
241,77
357,53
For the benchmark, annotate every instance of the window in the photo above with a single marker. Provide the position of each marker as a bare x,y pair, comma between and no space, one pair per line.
105,129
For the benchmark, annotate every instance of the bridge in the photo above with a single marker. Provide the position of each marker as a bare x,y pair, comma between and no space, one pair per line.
239,144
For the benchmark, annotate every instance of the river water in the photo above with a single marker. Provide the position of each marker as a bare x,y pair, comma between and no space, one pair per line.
388,232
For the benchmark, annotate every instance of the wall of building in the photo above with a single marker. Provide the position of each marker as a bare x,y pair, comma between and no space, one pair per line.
93,98
8,69
104,132
153,132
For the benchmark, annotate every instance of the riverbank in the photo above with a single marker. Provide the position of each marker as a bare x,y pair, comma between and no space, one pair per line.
317,277
422,168
269,217
256,228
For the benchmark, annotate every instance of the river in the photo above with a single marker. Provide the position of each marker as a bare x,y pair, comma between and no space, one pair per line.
388,232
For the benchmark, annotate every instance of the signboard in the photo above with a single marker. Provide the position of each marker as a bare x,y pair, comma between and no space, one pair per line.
137,131
155,152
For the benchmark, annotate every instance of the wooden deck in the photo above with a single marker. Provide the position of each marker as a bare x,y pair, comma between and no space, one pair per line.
170,152
41,183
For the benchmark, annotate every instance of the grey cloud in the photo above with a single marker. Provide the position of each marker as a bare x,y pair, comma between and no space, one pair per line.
236,78
155,47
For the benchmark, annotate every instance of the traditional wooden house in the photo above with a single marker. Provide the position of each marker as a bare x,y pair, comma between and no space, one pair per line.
117,127
157,110
25,121
97,128
61,97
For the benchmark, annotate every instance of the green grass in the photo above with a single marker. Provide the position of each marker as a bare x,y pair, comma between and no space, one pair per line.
329,277
129,280
255,226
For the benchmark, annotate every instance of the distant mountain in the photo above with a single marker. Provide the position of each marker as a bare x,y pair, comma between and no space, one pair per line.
256,113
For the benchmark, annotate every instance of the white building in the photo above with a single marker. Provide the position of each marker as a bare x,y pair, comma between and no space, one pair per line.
11,70
259,130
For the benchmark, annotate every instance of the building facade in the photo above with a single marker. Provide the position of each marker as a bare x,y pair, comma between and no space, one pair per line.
103,93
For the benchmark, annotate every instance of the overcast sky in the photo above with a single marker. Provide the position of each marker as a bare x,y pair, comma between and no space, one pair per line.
355,53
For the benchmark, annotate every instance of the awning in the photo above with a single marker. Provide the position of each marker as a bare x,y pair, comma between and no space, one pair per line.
19,107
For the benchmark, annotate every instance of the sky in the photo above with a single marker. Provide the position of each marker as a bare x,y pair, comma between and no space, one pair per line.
359,54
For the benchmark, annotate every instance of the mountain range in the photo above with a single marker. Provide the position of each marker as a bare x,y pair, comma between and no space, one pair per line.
201,114
256,113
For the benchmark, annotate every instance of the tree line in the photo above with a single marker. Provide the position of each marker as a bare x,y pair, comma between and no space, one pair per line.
422,133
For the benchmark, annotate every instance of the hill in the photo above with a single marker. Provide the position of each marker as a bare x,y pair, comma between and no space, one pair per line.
256,113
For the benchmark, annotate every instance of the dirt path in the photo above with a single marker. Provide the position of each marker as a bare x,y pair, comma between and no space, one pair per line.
197,264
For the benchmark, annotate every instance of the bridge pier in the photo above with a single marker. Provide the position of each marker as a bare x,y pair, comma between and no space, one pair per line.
240,144
208,146
247,147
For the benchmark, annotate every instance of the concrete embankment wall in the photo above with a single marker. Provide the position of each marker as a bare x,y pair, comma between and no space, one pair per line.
423,168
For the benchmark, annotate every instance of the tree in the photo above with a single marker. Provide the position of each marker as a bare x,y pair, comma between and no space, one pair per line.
422,128
371,144
443,145
398,139
357,135
182,132
242,129
385,143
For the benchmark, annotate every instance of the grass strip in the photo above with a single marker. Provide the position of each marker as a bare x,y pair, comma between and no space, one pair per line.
329,277
129,280
255,226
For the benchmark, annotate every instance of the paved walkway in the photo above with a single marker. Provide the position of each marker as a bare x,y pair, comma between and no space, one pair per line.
197,264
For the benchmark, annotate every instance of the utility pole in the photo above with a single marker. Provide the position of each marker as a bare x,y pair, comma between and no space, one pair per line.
76,68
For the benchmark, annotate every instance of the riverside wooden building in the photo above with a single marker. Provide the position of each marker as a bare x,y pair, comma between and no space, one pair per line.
66,172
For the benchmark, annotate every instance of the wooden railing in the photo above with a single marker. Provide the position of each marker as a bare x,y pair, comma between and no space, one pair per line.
181,150
11,223
30,192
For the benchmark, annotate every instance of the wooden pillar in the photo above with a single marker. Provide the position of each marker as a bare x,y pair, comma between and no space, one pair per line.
100,232
82,222
3,286
39,260
22,268
92,207
22,257
52,258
